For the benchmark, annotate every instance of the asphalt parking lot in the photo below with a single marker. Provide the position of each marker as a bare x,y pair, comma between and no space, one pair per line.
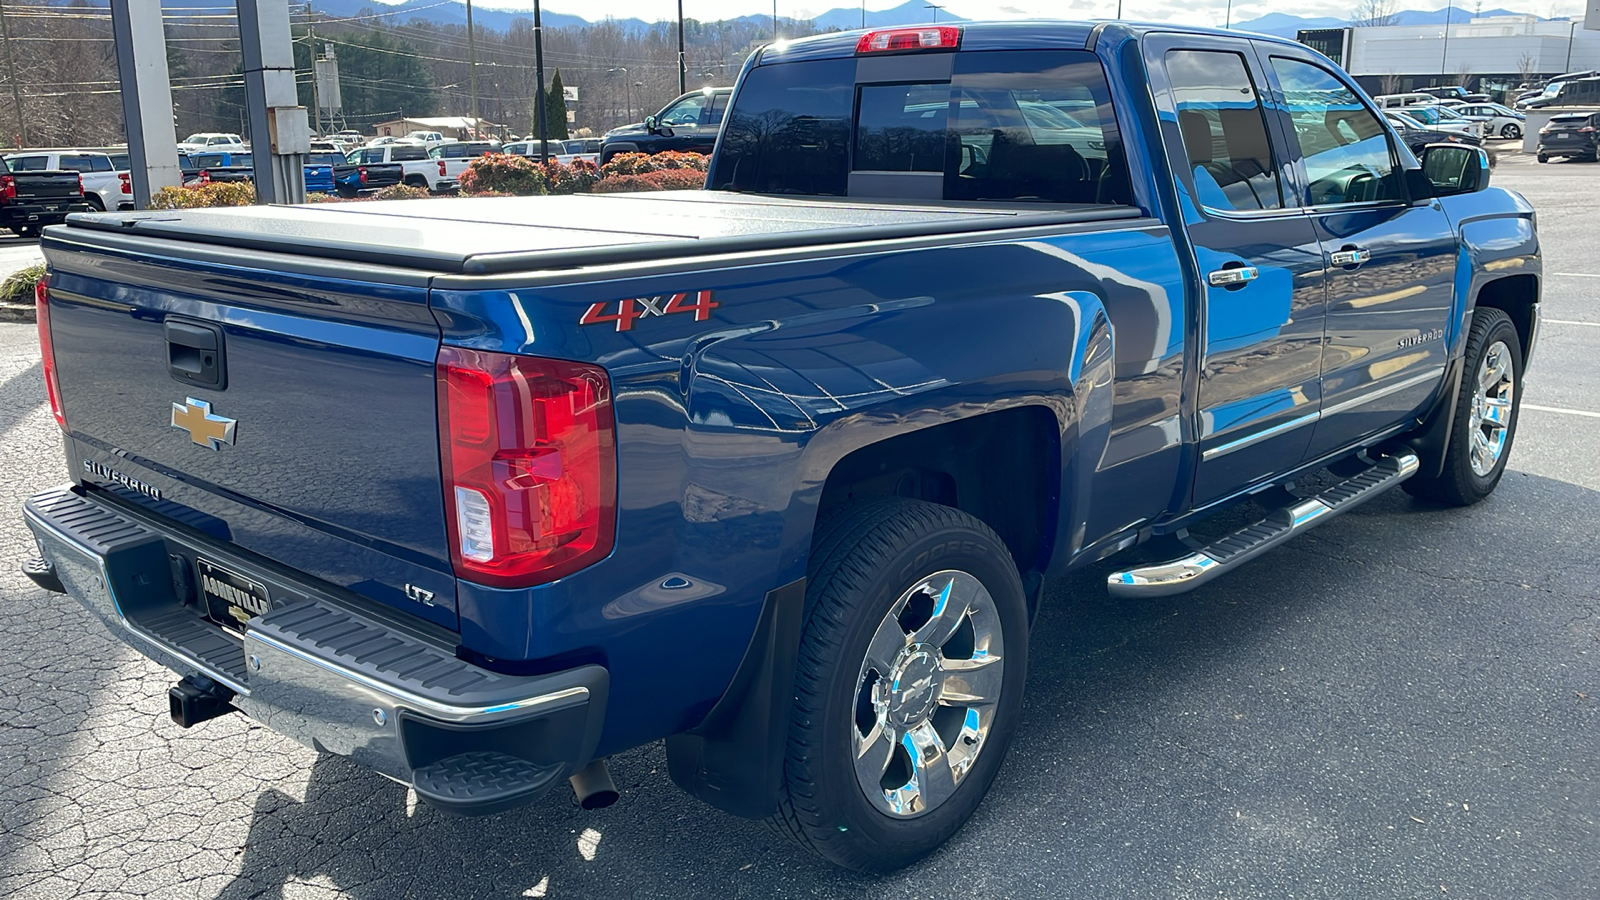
1401,704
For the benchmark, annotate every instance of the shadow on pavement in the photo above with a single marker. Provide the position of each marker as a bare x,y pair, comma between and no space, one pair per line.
1323,716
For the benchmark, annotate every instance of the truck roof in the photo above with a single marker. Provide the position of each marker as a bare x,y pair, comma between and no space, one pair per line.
478,236
1038,34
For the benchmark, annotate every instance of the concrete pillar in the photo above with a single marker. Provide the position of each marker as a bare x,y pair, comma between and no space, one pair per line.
146,97
280,135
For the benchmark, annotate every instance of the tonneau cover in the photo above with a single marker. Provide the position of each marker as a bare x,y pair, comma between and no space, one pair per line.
485,235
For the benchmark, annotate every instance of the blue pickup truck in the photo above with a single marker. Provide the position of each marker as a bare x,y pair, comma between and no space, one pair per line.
478,492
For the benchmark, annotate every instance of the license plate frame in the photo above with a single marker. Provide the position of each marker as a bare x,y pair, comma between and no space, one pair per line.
231,598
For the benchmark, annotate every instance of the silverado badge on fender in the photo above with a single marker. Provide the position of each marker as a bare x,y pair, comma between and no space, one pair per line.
205,429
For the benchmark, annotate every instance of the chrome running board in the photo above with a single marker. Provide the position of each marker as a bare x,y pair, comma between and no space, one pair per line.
1189,572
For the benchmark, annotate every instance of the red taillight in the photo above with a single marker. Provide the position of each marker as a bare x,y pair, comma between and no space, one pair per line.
47,350
528,450
441,168
8,188
942,37
363,173
205,176
127,183
80,184
1587,129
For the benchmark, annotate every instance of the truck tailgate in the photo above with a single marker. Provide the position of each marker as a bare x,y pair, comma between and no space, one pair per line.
292,413
33,187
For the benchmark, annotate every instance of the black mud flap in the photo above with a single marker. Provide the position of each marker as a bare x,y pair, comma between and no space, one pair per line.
734,759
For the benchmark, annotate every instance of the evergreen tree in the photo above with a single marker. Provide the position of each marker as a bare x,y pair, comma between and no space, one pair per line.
556,109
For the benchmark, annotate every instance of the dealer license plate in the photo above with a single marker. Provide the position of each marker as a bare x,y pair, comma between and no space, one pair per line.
231,598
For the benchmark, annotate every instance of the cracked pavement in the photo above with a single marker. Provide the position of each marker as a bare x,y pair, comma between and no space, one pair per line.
1401,703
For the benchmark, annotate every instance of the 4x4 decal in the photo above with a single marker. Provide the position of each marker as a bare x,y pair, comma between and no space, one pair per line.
628,311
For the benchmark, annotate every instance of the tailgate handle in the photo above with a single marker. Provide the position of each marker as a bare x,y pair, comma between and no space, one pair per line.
195,353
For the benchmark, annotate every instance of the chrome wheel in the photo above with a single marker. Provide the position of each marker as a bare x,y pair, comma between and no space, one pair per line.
927,692
1510,131
1490,420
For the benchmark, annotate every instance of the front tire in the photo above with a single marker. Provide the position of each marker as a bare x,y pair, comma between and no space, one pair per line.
1510,131
908,684
1486,414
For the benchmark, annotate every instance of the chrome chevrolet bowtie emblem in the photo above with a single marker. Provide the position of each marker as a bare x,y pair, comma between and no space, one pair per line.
205,429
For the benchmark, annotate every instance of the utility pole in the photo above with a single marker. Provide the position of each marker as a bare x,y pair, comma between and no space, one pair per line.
1227,22
863,13
775,20
11,73
935,7
472,68
316,102
683,67
538,65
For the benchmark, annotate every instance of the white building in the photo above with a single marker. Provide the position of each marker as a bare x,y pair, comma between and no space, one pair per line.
1489,54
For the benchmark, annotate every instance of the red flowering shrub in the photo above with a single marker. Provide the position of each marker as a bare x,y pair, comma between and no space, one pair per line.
504,173
578,178
645,163
666,180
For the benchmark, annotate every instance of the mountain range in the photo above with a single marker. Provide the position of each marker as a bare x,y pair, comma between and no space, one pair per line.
912,12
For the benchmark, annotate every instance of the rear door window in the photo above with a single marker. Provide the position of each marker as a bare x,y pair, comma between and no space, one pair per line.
27,163
1224,131
408,154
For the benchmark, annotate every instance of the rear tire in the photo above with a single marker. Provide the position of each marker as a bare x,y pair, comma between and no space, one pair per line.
1486,415
1544,159
908,684
95,202
416,181
1510,131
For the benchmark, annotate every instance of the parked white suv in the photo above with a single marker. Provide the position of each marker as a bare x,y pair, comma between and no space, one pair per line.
429,139
103,186
211,140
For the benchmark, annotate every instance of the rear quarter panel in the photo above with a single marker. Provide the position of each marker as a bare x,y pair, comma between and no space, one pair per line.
728,427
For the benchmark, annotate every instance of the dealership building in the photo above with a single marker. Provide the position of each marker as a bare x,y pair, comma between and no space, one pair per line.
1490,54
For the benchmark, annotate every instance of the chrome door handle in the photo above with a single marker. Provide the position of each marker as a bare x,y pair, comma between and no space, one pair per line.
1236,275
1351,257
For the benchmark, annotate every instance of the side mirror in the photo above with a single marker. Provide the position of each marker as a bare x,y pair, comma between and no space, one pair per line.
1455,169
651,124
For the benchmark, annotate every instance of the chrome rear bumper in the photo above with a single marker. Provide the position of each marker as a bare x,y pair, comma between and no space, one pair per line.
329,676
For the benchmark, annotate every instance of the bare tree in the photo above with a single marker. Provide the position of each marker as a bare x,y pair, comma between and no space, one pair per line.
1391,83
1464,75
1527,64
1374,14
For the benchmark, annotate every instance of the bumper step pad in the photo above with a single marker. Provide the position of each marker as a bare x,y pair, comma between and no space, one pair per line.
482,781
1224,554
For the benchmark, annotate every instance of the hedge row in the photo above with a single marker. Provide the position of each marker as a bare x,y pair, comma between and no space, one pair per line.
496,175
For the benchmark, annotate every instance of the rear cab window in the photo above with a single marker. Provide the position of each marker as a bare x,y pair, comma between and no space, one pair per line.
1033,126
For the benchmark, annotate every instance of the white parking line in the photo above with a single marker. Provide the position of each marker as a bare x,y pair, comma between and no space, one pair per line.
1574,275
1571,322
1557,409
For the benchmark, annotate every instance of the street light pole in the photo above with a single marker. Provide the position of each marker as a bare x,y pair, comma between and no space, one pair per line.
1444,58
683,67
1227,22
775,20
935,7
472,68
538,65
